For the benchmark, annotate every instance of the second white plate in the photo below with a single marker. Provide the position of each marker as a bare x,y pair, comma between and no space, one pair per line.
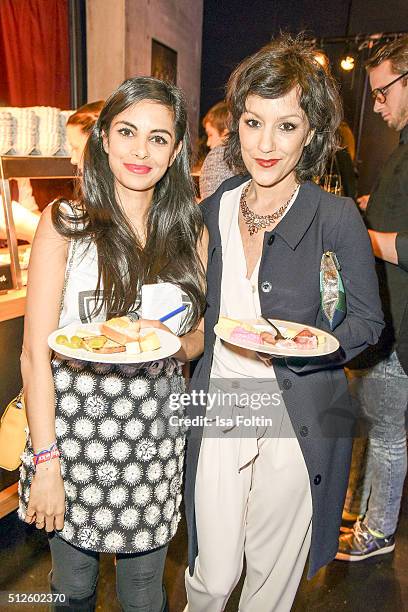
330,345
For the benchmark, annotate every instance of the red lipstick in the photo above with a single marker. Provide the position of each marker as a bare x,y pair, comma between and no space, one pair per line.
267,163
137,169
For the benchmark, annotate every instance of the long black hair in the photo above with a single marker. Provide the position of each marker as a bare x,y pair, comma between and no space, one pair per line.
174,222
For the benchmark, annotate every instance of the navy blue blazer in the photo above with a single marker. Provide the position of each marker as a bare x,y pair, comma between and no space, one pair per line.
314,390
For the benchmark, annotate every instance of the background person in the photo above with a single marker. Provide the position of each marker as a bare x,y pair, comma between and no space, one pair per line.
380,375
215,169
79,126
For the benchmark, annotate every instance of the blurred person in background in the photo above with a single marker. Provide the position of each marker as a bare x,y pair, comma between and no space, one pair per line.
381,374
340,175
79,126
215,169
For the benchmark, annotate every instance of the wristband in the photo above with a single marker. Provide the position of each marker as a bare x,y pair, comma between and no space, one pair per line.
46,454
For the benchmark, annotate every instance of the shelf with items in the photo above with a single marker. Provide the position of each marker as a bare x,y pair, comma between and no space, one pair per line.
33,167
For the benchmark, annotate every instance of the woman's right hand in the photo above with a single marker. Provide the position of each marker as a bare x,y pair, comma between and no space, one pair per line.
46,506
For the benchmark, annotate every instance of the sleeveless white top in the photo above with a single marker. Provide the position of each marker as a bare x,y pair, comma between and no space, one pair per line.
80,297
82,272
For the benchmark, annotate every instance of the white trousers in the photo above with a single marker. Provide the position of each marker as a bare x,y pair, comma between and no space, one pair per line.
263,510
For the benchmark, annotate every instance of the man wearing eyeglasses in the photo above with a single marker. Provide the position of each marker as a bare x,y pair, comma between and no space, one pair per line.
381,376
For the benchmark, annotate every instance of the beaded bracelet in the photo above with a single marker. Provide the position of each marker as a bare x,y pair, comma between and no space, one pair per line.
46,454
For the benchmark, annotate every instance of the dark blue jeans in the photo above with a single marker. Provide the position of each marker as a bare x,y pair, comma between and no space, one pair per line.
139,577
375,493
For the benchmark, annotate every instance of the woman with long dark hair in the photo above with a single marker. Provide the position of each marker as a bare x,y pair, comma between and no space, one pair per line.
111,479
272,492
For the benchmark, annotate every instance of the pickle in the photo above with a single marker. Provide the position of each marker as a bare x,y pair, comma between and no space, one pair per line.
61,339
75,342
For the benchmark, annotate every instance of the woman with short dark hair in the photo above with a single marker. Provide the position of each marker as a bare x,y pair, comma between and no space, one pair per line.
273,491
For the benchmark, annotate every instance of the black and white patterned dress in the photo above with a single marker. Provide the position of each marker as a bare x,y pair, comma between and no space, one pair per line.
122,454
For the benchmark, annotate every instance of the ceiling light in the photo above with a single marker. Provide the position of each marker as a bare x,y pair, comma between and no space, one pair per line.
347,63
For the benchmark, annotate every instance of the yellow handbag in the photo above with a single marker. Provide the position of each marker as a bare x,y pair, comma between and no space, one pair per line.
13,425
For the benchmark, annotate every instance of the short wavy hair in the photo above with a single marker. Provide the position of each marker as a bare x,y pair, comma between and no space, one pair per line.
395,51
272,72
86,116
217,116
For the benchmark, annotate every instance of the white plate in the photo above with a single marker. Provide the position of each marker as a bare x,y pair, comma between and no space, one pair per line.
330,345
170,344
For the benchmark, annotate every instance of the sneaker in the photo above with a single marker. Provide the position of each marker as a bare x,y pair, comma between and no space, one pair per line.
361,544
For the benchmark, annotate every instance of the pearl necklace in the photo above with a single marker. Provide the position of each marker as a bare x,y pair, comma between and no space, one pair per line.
256,222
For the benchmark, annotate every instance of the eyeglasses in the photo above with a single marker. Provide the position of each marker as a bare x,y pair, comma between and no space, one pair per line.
379,93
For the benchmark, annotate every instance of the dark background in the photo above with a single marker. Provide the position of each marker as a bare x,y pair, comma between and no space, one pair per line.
233,29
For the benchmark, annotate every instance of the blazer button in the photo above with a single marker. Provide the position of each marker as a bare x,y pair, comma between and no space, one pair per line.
266,287
270,240
287,384
317,479
304,431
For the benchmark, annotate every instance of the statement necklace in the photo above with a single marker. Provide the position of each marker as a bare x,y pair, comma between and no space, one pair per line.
256,222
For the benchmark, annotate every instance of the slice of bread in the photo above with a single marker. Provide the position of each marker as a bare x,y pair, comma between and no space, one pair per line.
121,330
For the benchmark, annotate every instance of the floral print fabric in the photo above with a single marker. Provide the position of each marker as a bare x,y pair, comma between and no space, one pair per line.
121,459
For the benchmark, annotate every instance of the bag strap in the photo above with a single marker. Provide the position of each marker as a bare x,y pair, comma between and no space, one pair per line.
70,261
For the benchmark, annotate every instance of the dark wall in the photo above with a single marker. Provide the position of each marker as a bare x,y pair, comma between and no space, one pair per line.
369,16
233,29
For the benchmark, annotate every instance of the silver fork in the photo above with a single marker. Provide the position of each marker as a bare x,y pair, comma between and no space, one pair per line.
278,335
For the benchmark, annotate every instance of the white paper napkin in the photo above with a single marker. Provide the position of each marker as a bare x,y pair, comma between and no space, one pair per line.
159,299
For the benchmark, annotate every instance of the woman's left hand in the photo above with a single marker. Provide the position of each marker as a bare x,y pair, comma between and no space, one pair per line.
192,343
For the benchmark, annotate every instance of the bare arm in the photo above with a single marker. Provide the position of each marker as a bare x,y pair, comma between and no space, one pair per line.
44,289
383,244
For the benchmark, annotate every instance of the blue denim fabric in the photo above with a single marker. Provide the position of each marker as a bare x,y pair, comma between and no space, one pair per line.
375,493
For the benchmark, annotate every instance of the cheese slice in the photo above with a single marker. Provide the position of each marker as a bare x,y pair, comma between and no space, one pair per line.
86,333
149,342
133,348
